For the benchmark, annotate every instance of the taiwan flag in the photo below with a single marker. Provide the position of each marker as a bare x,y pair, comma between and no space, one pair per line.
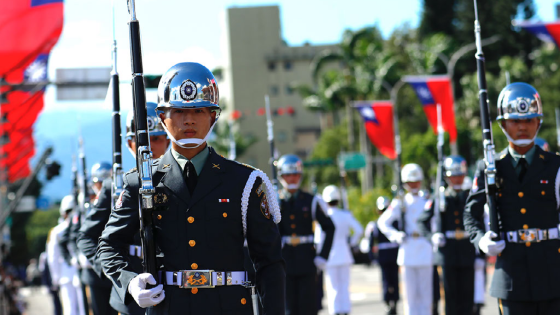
378,120
547,32
431,91
27,28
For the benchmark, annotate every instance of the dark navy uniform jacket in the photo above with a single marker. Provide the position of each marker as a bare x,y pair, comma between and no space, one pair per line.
88,239
457,251
523,271
199,232
297,220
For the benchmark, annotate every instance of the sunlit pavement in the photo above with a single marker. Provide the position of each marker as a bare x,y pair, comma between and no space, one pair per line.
365,288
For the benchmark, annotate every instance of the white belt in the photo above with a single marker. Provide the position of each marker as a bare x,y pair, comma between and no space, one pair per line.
204,278
388,245
532,235
458,235
297,240
135,250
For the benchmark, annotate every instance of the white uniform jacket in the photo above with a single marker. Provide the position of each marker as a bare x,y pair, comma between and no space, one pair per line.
344,221
61,272
415,250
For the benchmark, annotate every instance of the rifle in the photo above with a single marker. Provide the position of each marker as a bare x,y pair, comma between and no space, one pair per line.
439,189
144,153
83,184
270,132
487,141
116,187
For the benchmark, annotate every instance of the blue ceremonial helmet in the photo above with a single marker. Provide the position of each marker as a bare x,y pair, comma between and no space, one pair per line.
100,171
290,164
154,124
519,101
455,165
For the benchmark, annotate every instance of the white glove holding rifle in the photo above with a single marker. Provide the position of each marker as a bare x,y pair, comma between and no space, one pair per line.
489,246
145,297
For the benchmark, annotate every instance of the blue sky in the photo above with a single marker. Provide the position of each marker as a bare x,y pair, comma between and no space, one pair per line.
176,31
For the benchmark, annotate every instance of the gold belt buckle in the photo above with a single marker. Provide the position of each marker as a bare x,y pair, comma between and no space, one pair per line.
295,240
196,279
459,235
415,235
528,235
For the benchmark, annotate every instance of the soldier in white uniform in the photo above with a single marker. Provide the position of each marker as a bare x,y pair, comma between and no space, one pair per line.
337,269
415,251
63,275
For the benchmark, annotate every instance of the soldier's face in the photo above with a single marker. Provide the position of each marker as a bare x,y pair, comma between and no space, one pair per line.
456,181
521,128
291,178
158,144
413,187
184,123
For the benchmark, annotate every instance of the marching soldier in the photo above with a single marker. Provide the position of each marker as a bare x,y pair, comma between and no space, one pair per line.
206,206
299,210
526,273
386,257
96,219
337,269
455,253
415,251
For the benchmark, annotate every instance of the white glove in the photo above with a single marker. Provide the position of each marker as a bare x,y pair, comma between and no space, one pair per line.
84,262
490,247
399,237
145,297
320,262
479,263
438,239
74,262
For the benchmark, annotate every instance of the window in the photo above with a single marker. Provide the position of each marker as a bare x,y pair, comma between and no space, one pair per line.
287,65
273,90
281,136
289,89
271,66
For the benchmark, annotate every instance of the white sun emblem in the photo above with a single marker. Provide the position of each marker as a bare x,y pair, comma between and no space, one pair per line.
36,72
368,113
424,93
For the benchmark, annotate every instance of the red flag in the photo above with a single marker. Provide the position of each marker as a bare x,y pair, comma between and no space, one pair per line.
433,90
27,28
548,32
378,120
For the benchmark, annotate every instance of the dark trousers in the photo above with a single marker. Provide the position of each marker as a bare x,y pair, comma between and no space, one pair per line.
547,307
390,278
100,296
56,302
458,283
301,293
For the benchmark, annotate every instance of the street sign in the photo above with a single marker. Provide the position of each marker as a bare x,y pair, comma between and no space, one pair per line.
26,204
351,161
42,203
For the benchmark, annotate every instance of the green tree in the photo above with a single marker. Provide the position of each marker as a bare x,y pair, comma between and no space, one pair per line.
437,17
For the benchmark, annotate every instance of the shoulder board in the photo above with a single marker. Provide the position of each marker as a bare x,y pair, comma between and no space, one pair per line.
131,171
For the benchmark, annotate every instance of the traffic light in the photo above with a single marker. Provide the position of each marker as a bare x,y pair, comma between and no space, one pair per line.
152,81
53,169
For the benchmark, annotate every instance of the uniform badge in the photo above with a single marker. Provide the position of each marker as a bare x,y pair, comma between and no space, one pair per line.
166,166
188,90
75,219
259,191
544,181
160,198
475,185
216,166
197,279
541,156
118,204
264,207
428,204
223,200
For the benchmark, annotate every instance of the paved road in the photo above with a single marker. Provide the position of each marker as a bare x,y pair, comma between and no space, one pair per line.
365,288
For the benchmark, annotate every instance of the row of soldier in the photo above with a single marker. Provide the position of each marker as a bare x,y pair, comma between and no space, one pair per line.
220,229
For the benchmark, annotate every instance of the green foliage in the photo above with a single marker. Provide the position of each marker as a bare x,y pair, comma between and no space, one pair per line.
37,229
221,141
363,206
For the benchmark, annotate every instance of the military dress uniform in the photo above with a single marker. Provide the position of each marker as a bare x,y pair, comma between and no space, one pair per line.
199,238
299,210
527,273
457,255
88,240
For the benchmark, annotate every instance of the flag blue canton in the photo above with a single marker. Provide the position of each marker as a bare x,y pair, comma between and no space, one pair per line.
368,114
37,70
35,3
541,32
423,92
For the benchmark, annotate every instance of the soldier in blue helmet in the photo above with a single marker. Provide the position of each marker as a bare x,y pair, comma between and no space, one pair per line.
93,225
526,275
299,210
454,253
205,207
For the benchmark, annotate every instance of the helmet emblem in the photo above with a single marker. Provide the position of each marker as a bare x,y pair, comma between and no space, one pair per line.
522,106
151,123
188,90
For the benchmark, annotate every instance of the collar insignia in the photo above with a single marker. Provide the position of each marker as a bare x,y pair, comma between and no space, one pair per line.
541,156
216,166
166,165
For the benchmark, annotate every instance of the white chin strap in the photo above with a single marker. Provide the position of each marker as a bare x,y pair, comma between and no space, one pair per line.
188,143
290,186
521,142
414,191
457,187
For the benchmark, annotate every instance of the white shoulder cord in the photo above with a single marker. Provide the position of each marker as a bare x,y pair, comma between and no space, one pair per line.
317,199
271,198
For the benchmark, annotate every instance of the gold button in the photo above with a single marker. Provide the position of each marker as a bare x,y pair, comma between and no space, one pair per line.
194,290
243,301
159,216
543,193
192,243
225,215
293,226
525,226
528,244
559,250
292,216
294,234
456,212
523,210
194,266
190,219
520,194
500,194
457,221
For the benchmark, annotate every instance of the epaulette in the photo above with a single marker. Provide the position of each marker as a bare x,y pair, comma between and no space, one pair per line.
132,170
